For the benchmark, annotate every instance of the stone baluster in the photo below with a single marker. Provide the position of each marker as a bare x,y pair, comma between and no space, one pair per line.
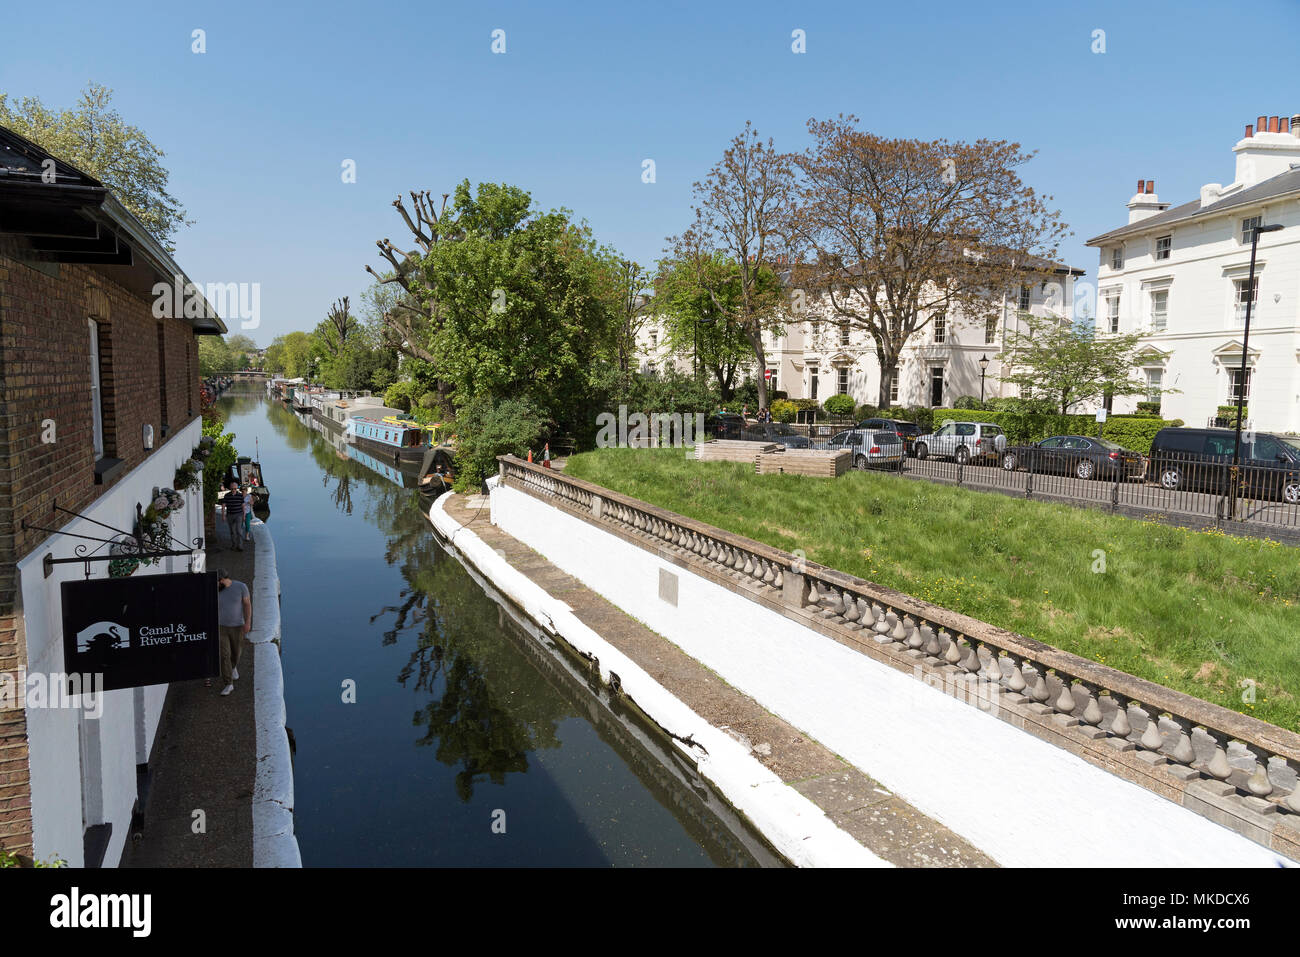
1151,739
1119,725
952,654
970,659
915,640
1015,681
878,614
1065,703
814,594
1259,784
929,643
769,573
1292,802
1183,752
834,604
1038,690
992,670
1218,766
1091,713
862,617
779,581
897,633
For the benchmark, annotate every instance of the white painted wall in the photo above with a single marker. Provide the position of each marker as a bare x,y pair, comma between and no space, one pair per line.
123,735
1020,800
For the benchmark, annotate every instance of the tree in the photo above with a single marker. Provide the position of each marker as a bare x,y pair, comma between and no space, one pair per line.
900,231
519,303
338,325
1066,364
742,212
95,139
214,356
687,297
625,285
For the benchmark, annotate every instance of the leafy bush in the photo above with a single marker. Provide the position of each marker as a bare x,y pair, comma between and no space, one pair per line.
839,405
778,394
783,410
485,429
866,412
401,395
1228,414
968,402
1148,408
922,415
220,459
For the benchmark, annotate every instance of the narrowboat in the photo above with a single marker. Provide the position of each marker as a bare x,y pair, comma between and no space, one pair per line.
246,471
390,438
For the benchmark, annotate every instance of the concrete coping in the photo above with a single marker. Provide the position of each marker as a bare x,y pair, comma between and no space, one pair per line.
1221,723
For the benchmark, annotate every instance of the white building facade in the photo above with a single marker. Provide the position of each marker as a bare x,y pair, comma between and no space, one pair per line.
1180,276
819,355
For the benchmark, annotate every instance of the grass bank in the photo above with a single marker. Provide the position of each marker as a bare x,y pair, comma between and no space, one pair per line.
1209,614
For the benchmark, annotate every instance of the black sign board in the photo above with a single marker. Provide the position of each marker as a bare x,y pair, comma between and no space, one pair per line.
141,631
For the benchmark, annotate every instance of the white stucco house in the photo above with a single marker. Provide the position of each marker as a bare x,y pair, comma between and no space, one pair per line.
818,356
1180,276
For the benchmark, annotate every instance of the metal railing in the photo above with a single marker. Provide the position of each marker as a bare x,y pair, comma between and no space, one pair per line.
1180,484
1251,760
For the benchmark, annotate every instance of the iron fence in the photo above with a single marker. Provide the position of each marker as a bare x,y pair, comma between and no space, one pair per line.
1179,484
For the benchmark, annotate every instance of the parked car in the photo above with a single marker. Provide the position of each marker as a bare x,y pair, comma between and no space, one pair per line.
779,432
724,425
907,431
883,449
1201,459
1078,455
963,441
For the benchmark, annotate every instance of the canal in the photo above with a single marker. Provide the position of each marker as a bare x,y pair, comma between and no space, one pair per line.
434,725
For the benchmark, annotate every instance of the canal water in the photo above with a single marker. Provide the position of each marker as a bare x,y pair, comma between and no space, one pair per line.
472,739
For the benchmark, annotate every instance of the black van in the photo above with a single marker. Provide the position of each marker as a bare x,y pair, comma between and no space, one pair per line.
1201,459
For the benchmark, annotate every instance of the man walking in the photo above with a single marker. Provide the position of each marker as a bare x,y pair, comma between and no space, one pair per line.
234,618
233,503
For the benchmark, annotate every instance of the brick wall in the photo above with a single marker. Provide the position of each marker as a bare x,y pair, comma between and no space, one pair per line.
45,355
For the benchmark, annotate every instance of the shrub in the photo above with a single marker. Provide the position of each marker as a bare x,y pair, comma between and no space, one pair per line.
866,412
783,410
221,457
839,405
968,402
1027,421
778,394
1148,408
401,395
923,416
485,429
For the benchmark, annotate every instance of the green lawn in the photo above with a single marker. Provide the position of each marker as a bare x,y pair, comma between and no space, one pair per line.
1202,612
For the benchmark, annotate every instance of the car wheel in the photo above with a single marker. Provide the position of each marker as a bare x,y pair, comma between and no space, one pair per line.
962,455
1291,493
861,463
922,450
1171,478
1009,461
1085,469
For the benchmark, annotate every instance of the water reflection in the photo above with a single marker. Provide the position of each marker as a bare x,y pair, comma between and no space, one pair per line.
462,710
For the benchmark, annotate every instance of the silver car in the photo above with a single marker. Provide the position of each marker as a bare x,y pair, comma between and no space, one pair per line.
870,448
963,441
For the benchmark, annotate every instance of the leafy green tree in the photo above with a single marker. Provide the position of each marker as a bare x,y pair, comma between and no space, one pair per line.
486,428
214,355
1067,364
94,138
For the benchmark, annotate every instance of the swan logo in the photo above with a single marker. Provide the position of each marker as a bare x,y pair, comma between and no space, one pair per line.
103,634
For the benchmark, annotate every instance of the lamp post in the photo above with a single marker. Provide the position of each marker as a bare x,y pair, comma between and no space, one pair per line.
1245,343
984,368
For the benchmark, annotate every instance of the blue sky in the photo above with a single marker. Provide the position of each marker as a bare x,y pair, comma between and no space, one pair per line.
256,128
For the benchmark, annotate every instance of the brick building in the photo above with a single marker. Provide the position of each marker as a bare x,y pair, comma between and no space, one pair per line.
99,404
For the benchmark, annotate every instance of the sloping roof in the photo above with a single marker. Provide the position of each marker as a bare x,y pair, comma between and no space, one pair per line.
1273,187
71,217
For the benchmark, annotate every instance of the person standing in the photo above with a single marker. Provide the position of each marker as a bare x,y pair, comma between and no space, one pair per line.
234,619
233,504
248,513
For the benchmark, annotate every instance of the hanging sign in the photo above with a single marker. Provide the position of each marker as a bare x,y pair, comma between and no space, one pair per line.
149,630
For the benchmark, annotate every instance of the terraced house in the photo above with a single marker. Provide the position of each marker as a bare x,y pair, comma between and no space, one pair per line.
1180,275
99,405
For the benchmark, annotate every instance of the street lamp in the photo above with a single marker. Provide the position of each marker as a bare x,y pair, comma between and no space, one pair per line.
984,367
1251,292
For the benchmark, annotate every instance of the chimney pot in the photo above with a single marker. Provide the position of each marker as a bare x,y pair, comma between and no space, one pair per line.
1284,125
1151,186
1250,130
1142,186
1272,124
1261,124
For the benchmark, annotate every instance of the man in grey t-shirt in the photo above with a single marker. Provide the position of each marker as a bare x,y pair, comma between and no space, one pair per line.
234,618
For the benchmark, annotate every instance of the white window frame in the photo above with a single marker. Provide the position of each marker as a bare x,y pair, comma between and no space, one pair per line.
940,327
1239,301
1248,226
943,385
1117,257
1234,373
1112,314
990,330
842,381
844,332
893,389
1155,383
1026,299
1164,253
1159,321
96,391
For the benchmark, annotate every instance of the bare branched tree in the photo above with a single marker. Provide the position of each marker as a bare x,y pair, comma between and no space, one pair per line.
413,315
742,211
901,231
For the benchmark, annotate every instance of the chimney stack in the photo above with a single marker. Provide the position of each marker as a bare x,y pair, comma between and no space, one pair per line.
1268,149
1145,203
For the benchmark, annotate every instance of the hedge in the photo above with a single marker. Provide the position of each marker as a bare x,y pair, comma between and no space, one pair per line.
1132,432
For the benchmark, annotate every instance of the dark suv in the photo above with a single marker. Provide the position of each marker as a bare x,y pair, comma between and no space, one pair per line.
778,432
1201,459
724,425
907,431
